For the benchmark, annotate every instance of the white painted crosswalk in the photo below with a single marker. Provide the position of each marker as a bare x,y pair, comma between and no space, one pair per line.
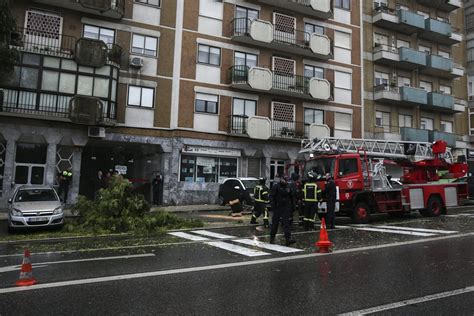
229,243
412,231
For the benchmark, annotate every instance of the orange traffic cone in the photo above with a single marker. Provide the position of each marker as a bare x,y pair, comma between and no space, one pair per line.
323,244
26,272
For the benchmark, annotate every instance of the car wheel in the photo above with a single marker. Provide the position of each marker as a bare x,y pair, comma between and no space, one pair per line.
220,200
434,207
361,214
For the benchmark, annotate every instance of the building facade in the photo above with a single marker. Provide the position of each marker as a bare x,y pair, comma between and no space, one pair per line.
415,77
198,90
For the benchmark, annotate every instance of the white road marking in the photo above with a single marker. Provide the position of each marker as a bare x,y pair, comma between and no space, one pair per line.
221,266
41,264
439,231
237,249
392,231
264,245
413,301
212,234
188,236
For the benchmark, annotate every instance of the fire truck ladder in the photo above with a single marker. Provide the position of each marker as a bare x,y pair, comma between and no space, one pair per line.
414,151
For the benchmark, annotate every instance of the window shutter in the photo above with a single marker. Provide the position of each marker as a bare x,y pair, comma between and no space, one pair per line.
283,111
253,169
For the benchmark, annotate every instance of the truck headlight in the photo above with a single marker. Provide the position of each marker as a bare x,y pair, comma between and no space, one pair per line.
15,212
58,210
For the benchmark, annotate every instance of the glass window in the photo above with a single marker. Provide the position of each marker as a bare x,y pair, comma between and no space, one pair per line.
144,45
155,3
380,39
342,4
342,80
242,12
67,83
141,96
404,120
37,175
207,169
381,78
343,40
313,116
29,78
401,43
101,87
428,86
312,29
424,49
187,170
206,103
343,121
99,33
31,153
382,119
85,88
444,54
347,166
313,72
227,168
447,126
245,59
50,80
404,81
244,107
209,55
426,123
445,89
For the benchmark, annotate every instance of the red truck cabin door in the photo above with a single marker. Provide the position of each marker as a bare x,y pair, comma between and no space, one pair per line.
348,176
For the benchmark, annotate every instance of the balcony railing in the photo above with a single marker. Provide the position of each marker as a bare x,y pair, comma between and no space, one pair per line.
59,45
237,124
239,74
293,83
51,105
113,9
288,129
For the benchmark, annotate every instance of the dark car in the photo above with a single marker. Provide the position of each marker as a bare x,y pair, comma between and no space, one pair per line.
237,187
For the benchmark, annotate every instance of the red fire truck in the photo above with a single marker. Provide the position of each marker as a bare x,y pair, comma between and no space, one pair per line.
358,168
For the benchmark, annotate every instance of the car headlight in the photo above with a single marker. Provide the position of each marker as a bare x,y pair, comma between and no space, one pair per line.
15,212
58,210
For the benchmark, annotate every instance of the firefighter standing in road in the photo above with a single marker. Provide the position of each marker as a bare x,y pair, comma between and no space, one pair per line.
65,179
330,194
282,201
261,196
311,196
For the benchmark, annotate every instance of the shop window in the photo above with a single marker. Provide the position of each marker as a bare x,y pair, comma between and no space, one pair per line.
207,169
31,153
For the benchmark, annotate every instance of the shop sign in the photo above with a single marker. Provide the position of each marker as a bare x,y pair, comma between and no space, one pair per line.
121,169
211,151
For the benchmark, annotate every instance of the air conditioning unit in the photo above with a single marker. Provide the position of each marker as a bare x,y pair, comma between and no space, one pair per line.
96,131
136,62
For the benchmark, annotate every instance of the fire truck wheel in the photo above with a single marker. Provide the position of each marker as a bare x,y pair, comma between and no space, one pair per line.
434,207
361,213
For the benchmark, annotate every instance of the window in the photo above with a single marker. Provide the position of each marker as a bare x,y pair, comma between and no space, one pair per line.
401,43
342,80
444,54
381,79
243,107
206,103
144,45
401,7
447,126
426,123
428,86
425,14
445,89
342,40
246,13
348,166
424,49
209,55
382,119
312,116
380,39
342,4
404,81
380,3
99,33
343,121
207,169
313,72
312,29
404,120
155,3
245,59
141,96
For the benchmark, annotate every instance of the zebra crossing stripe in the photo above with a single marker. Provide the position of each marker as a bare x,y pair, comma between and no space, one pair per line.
393,231
212,234
424,230
237,249
188,236
267,246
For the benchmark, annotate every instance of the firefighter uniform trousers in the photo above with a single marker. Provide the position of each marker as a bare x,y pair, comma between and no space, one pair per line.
311,192
260,207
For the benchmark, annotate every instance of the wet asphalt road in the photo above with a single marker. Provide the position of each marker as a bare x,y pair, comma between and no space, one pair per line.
176,276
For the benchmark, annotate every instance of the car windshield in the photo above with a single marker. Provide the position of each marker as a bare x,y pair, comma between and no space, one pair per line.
37,195
320,166
250,184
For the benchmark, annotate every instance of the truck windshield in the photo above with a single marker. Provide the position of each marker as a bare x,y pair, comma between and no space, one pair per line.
320,166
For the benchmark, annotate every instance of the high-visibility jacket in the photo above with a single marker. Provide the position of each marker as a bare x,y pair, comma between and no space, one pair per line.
67,174
311,192
260,193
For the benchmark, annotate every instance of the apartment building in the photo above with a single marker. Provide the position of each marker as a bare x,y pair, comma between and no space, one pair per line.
199,90
414,71
469,16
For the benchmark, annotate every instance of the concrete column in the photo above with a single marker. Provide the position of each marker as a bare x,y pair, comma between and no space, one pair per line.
11,136
167,174
51,163
76,174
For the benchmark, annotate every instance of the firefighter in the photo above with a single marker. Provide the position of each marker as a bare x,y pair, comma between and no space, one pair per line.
330,194
282,199
65,179
311,196
261,195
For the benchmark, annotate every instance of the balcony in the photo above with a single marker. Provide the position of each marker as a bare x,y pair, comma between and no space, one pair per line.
87,52
237,125
398,20
443,5
263,79
442,67
449,138
400,95
287,129
387,132
321,9
113,9
386,94
402,57
413,95
414,134
441,102
440,32
264,34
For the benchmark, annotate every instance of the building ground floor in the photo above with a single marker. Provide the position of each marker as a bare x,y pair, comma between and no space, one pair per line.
34,152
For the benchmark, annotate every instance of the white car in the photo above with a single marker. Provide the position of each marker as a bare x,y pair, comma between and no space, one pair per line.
228,186
34,206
